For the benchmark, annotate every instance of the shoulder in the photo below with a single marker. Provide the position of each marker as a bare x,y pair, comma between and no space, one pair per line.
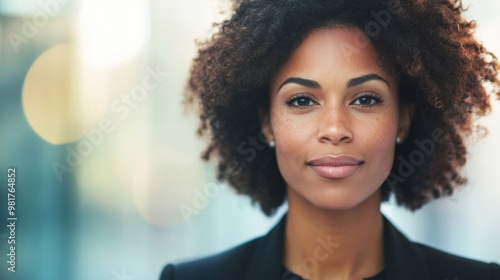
230,264
442,265
259,258
411,260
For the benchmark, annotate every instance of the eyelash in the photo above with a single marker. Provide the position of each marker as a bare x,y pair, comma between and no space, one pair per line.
378,100
289,101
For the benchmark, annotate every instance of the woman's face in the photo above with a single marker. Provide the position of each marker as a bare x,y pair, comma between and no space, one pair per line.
334,117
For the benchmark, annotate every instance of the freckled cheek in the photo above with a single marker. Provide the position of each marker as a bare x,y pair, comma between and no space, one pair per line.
380,141
291,138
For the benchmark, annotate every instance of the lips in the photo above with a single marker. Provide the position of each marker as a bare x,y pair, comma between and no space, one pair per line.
335,167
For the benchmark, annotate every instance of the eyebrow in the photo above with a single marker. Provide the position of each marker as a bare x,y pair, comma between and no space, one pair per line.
300,81
365,78
351,83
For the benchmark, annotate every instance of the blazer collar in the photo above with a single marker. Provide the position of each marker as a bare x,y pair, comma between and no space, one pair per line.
402,258
267,258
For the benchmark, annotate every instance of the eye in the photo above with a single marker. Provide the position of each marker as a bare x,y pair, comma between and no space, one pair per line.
368,100
299,101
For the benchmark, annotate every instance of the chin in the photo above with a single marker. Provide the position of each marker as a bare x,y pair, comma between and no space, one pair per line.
336,203
341,199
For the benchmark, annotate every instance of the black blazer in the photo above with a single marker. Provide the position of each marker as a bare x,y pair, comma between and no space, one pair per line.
262,259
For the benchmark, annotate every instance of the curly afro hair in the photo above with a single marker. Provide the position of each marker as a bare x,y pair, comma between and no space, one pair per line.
443,71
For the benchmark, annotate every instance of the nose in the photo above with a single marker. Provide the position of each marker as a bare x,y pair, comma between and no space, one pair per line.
334,126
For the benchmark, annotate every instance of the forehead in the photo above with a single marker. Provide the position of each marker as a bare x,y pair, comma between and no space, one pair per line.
339,51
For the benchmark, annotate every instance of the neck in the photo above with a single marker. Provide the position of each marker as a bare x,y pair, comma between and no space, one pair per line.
334,244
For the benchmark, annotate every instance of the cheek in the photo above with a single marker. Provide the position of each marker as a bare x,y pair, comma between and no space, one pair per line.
379,140
284,134
291,136
382,134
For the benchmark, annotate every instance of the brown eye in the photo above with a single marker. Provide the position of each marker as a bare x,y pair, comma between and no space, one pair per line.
367,100
300,102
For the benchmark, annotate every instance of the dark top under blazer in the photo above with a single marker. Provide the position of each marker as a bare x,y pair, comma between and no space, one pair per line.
262,259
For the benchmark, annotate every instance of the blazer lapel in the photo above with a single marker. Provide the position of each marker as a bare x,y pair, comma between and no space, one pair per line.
267,259
402,258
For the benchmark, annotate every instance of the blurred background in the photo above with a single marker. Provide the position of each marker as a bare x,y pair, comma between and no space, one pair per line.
109,180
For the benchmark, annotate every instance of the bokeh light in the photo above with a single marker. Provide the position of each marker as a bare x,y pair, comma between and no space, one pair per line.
165,181
110,33
48,96
102,83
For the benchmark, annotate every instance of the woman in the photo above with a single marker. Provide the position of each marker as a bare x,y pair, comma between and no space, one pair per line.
356,100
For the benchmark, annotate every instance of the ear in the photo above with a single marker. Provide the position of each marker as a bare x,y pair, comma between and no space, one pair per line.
265,124
405,116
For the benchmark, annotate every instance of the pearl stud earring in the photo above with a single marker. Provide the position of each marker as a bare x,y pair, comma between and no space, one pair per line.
398,140
272,144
